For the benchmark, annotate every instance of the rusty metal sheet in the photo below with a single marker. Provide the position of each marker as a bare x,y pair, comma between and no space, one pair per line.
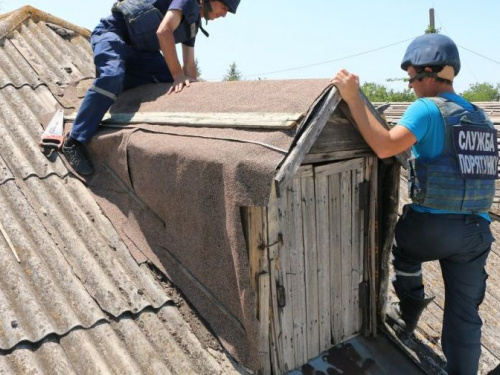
361,356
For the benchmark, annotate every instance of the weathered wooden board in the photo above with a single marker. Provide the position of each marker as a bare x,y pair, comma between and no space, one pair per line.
264,320
232,120
272,244
285,276
346,249
307,139
254,225
298,285
311,265
339,167
371,254
335,257
338,136
357,248
337,155
323,245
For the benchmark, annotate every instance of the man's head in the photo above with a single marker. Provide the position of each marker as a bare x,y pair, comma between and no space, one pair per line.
213,9
432,55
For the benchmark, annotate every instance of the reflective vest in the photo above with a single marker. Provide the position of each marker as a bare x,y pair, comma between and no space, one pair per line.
462,179
143,19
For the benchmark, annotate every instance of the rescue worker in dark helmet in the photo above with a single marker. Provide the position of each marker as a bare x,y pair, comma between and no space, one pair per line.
133,46
452,176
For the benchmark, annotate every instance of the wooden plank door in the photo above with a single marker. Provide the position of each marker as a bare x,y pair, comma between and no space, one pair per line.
341,245
316,260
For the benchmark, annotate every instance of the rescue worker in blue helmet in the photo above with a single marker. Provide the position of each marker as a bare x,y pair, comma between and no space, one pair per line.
133,46
451,184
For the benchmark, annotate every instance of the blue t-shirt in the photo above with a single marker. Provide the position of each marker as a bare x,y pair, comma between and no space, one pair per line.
185,32
426,123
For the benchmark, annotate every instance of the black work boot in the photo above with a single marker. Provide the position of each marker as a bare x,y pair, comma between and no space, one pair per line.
76,155
405,313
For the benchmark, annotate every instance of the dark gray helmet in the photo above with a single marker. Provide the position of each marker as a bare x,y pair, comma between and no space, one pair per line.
231,4
432,50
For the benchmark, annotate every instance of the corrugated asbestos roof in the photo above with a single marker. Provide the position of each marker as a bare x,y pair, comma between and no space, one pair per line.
395,110
155,342
77,302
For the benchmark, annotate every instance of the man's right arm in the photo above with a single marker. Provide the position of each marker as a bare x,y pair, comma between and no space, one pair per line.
385,143
166,39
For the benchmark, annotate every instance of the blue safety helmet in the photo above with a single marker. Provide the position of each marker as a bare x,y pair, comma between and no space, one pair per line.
432,50
231,4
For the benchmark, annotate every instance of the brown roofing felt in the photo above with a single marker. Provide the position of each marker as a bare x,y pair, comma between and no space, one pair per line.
235,96
187,186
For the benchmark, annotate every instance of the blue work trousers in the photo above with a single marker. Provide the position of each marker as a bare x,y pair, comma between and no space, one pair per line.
461,243
119,67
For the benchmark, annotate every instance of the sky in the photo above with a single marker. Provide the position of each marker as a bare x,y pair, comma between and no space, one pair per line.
292,39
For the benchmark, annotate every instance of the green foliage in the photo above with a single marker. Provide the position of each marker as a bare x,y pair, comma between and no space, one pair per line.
233,74
432,30
482,92
198,70
379,93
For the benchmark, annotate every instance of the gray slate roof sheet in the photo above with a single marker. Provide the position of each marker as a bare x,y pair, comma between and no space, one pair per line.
152,343
77,302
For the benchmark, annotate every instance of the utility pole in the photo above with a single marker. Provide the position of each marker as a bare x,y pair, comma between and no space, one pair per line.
431,20
431,29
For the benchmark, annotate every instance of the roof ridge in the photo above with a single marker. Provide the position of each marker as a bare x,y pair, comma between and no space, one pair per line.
12,20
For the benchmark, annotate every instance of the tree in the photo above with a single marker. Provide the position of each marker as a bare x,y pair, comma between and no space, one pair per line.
482,92
233,74
406,95
198,70
432,30
379,93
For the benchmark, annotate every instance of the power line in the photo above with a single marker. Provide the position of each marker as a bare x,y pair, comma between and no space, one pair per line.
356,55
478,54
471,51
330,61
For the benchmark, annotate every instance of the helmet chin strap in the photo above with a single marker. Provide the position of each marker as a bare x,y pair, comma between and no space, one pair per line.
207,8
447,73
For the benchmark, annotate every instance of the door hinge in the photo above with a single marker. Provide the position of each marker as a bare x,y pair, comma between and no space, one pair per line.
364,306
364,194
281,291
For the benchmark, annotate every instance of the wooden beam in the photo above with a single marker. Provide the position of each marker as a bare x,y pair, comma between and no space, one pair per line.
307,139
260,120
254,228
337,155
